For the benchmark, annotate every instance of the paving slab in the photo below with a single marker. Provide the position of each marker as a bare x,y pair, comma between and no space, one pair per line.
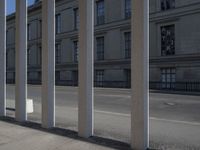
31,136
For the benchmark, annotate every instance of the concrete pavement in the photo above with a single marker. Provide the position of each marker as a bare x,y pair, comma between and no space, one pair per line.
30,136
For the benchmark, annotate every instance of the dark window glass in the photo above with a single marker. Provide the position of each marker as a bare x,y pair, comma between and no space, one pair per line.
127,77
58,23
127,37
100,12
6,37
58,53
168,78
75,53
167,4
7,51
76,19
99,77
39,55
57,76
75,77
100,48
28,56
127,9
29,32
40,28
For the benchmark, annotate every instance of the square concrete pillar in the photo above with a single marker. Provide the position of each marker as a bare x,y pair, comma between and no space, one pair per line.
3,57
48,63
21,60
140,75
86,35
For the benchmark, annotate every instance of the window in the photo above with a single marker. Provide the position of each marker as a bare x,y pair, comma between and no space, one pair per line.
40,28
7,51
58,53
167,4
168,40
33,76
76,19
28,56
39,76
74,77
58,23
99,77
127,77
127,38
75,53
100,48
100,12
10,77
29,32
6,37
11,57
39,55
127,9
57,76
168,78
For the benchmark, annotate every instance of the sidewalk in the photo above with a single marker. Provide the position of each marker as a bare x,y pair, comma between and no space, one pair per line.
30,136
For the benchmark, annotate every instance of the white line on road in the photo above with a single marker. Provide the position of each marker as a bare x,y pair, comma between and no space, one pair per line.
151,118
101,95
112,113
176,121
109,95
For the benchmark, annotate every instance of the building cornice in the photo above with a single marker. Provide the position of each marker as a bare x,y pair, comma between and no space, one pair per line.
176,58
175,13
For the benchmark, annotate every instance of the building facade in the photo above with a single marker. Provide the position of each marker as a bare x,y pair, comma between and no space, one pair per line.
174,43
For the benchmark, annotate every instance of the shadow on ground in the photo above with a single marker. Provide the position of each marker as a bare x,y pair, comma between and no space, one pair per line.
71,134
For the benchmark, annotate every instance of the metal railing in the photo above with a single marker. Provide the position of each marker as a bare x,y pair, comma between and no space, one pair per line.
67,83
167,86
112,84
176,86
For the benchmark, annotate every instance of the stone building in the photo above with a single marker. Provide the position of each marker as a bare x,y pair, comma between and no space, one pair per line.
174,43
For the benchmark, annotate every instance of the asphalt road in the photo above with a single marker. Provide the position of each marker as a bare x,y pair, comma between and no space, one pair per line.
174,119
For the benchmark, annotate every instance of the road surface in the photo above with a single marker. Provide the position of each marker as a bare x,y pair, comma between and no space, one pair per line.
174,119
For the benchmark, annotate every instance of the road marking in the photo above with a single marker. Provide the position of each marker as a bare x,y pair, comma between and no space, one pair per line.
128,115
109,95
101,95
151,118
112,113
176,121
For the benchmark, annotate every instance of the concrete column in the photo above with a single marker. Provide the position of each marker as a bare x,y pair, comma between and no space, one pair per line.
48,63
21,60
140,75
86,33
3,57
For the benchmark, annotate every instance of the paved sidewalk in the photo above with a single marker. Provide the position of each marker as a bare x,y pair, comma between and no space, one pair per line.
30,136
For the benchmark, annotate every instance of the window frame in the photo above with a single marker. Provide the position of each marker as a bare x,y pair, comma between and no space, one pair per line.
29,32
76,19
58,53
168,77
167,4
75,51
100,48
58,23
99,77
100,12
28,56
127,9
165,44
127,45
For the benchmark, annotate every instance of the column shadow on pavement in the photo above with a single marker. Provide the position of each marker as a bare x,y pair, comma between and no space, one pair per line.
70,134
